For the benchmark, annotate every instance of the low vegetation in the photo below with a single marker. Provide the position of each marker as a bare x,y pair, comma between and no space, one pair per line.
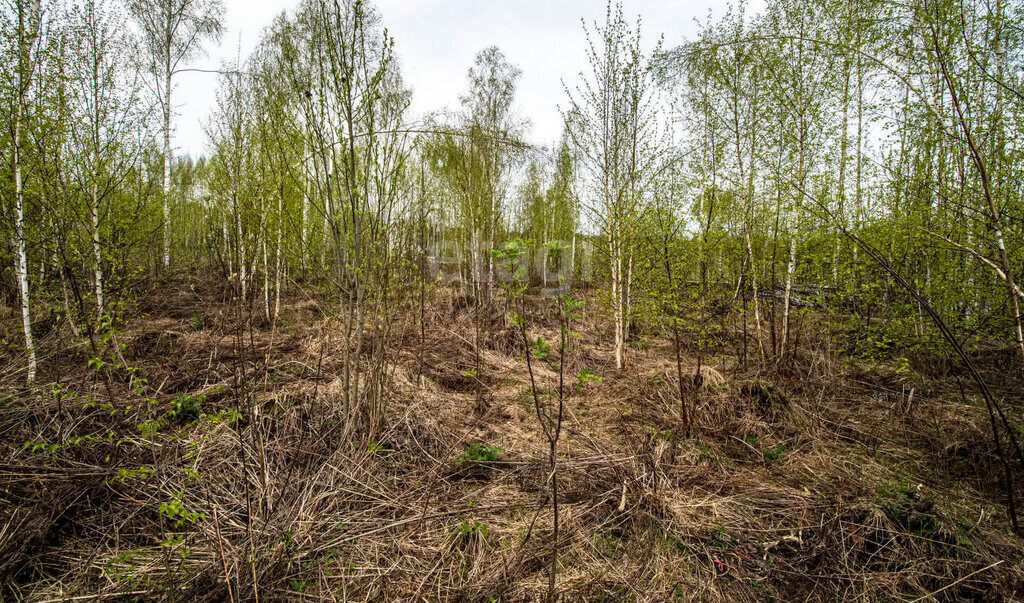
750,331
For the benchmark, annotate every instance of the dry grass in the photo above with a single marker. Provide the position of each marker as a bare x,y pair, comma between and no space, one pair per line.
827,488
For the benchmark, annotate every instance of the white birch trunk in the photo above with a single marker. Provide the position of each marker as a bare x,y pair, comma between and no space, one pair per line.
22,263
97,250
25,67
167,166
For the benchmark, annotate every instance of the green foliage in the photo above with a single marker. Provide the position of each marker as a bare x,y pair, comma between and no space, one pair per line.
121,568
472,528
539,348
175,510
703,451
479,452
585,376
510,254
123,475
35,447
607,545
185,407
664,434
569,308
904,505
773,454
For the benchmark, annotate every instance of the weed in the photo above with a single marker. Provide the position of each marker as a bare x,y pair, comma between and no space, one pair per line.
704,452
664,434
606,545
175,510
773,454
186,407
474,528
479,452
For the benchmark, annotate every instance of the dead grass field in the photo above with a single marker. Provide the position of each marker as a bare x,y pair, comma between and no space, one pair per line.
824,480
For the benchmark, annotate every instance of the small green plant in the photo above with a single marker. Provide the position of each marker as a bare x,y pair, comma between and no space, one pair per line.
121,567
298,586
540,348
151,426
703,451
479,451
198,322
585,376
40,447
130,474
664,434
606,545
186,407
175,510
472,528
773,454
904,505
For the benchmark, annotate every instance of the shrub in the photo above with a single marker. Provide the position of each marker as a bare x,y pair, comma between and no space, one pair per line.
185,407
479,451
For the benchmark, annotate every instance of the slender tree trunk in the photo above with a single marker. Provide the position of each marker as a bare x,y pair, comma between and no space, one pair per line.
240,250
572,259
791,266
841,193
677,344
544,260
266,275
787,300
616,277
43,260
304,227
748,194
628,291
278,254
992,207
167,165
22,264
25,67
97,250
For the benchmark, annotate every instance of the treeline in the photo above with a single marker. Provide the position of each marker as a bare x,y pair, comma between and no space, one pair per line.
862,157
817,131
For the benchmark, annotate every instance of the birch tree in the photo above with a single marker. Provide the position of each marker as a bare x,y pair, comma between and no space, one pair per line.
173,33
488,106
108,112
608,118
23,31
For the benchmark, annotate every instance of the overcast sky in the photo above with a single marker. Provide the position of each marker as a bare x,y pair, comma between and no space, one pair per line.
436,41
